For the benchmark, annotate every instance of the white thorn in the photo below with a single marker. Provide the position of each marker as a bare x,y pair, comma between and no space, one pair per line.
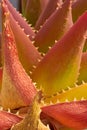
39,60
51,103
17,113
43,54
34,66
49,47
82,99
63,91
1,108
55,41
9,110
69,88
33,42
83,82
34,83
58,101
66,100
30,72
76,85
22,29
28,35
37,48
75,99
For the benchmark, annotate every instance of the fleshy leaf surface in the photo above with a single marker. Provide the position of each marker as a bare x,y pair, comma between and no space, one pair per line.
54,28
48,10
28,53
32,11
78,8
7,120
17,87
60,66
44,3
83,69
79,92
1,74
23,5
21,21
0,49
72,114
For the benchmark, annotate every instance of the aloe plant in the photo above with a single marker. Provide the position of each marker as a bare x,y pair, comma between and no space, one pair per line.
43,63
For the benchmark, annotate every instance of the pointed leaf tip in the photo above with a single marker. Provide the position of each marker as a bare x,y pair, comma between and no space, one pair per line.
60,66
46,13
18,17
78,8
28,54
17,87
55,27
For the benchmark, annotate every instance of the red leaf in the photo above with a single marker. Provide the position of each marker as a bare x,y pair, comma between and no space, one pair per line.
48,10
7,120
27,29
72,115
55,27
17,87
60,66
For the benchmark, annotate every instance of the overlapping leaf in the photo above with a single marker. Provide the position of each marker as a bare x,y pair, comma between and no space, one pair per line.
59,22
60,66
78,7
7,120
17,87
50,8
21,21
83,69
28,54
73,114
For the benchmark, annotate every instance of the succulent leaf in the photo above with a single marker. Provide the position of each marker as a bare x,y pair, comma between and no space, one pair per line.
17,87
32,11
7,120
55,96
44,3
21,21
72,115
1,74
54,28
48,10
23,5
78,8
60,66
0,49
79,92
28,53
83,69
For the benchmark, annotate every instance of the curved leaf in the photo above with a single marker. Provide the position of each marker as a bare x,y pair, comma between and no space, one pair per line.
28,53
7,120
83,69
79,92
72,115
55,27
17,87
32,11
48,10
21,21
60,66
78,8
